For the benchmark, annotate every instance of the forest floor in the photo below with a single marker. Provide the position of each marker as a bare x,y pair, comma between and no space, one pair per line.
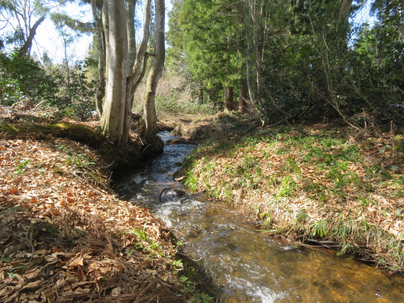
321,184
66,237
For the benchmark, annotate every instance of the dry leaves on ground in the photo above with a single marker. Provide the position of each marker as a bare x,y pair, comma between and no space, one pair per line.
65,238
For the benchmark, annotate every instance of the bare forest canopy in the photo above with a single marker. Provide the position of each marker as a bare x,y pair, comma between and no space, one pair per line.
295,60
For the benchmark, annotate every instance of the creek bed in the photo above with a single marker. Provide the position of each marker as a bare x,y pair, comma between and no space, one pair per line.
242,265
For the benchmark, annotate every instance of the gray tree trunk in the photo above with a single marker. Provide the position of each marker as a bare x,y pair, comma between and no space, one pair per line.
122,81
112,121
344,11
138,72
130,27
100,93
105,28
149,111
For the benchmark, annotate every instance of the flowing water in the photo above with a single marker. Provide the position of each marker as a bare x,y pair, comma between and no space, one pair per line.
242,265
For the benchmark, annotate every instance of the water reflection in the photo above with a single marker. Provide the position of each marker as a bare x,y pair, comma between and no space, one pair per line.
243,265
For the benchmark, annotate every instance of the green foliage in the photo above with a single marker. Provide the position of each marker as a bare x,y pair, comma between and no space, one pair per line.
172,104
287,187
24,78
202,37
191,181
62,20
177,264
147,243
20,169
66,89
376,67
301,58
75,93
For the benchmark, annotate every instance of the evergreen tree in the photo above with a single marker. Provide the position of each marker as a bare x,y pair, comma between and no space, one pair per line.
209,37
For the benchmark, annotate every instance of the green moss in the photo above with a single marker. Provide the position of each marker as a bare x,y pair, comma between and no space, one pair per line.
15,129
76,132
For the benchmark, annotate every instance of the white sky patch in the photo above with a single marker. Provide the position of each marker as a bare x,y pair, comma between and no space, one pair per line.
363,16
48,39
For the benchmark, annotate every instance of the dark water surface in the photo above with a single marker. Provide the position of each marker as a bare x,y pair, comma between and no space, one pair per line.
242,264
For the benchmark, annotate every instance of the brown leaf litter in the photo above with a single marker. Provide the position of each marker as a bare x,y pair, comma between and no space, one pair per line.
65,237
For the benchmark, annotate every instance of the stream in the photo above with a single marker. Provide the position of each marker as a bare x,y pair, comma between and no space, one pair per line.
241,264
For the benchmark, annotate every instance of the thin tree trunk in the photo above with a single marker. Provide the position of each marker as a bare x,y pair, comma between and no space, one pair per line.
200,96
243,95
149,112
112,121
69,92
229,97
26,48
105,25
100,93
130,17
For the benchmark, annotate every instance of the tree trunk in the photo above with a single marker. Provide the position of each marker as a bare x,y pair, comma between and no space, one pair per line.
100,93
26,48
116,117
112,121
229,97
200,96
149,112
130,25
138,71
105,30
243,96
344,11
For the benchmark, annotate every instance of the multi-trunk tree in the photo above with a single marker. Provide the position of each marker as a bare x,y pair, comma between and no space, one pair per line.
121,68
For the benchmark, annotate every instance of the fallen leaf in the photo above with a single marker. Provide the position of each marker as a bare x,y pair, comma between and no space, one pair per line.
13,191
33,273
34,284
78,261
116,291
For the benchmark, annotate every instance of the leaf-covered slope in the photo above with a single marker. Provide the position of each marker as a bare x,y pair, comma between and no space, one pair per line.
309,182
64,235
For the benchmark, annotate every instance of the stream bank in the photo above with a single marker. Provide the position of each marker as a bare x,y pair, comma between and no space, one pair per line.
308,184
233,261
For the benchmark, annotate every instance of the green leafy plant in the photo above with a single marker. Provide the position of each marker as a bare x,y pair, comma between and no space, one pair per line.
21,167
287,187
11,274
191,182
177,264
22,77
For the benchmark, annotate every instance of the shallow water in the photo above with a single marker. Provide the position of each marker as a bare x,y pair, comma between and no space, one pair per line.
242,264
